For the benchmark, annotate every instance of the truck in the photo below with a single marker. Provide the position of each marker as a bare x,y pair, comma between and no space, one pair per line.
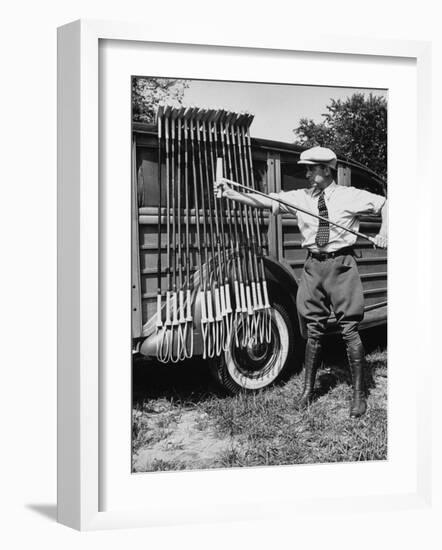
247,362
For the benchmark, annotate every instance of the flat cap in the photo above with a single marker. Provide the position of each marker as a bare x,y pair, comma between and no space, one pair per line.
318,155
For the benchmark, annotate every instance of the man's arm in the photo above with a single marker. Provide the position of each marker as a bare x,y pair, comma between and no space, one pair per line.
381,238
249,199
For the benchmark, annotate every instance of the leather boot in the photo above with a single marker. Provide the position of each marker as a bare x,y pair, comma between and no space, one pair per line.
356,359
311,363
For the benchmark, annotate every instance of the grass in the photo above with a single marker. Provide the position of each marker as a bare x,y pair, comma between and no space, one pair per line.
268,430
262,428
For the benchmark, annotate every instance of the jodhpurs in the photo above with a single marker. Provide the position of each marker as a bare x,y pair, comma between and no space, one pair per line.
326,285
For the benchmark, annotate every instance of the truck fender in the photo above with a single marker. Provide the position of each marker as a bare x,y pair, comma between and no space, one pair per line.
282,284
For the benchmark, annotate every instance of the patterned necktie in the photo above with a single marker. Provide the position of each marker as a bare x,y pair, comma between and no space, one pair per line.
323,233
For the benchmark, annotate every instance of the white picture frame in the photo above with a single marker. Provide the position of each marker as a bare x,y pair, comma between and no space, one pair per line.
80,363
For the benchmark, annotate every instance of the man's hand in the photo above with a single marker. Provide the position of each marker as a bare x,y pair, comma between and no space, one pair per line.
220,187
380,240
226,188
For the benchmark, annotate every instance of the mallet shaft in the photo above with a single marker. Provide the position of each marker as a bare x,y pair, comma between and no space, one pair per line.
362,235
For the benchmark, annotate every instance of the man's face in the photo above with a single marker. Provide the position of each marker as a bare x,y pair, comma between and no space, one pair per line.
317,175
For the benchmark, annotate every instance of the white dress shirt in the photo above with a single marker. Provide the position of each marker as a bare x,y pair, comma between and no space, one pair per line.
344,205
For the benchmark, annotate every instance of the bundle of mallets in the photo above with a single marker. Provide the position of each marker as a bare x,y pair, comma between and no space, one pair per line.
196,147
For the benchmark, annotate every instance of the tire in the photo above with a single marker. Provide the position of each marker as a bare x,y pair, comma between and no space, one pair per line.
258,366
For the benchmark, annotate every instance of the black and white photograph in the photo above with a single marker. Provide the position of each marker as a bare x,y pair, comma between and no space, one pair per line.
259,274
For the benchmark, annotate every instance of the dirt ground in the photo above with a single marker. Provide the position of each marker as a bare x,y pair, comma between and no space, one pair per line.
193,441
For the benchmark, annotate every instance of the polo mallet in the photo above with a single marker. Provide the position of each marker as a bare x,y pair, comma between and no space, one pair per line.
218,294
288,205
227,235
182,323
226,309
199,246
188,333
175,334
211,320
159,324
165,335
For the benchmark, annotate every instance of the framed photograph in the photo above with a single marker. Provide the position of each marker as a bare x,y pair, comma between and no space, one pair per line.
184,388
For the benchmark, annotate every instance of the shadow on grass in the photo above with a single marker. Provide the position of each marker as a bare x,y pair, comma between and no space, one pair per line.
189,381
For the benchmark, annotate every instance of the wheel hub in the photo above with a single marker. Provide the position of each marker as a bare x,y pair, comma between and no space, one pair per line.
256,350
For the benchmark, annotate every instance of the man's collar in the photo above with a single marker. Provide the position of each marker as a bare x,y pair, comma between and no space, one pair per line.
330,188
327,191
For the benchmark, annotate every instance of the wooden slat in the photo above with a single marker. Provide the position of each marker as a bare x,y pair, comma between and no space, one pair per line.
374,284
363,220
344,175
292,244
370,227
152,272
136,302
300,263
376,275
289,220
377,305
150,296
371,259
375,291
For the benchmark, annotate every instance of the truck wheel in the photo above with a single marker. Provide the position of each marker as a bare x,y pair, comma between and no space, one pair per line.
257,365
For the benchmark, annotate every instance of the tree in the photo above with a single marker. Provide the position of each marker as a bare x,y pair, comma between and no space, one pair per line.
147,93
355,128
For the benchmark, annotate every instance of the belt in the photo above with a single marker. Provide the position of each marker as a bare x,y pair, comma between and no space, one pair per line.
321,256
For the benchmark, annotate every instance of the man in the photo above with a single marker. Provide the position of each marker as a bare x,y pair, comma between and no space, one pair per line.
330,279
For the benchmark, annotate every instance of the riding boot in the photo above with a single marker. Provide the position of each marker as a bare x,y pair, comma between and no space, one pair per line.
356,359
311,363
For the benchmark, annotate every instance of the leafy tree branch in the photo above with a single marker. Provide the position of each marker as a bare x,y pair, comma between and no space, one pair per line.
148,92
355,128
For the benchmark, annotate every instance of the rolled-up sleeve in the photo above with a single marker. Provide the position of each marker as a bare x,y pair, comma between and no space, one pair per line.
290,197
364,202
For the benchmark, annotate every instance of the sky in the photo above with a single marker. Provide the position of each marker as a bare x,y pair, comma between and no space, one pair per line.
277,107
